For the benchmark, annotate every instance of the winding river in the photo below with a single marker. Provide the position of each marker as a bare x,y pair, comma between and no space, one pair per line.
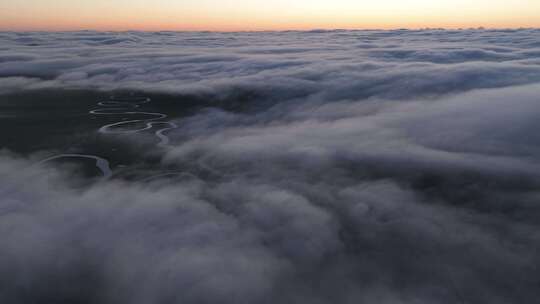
101,163
128,106
120,106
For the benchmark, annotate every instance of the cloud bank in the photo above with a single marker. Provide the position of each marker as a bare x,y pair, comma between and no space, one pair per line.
362,167
335,64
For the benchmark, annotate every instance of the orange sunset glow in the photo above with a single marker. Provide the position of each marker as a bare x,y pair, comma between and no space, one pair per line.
235,15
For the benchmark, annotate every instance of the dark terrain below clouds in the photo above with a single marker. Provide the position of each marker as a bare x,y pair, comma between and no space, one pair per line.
355,167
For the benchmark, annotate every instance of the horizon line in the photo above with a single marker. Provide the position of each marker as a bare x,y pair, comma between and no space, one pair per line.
269,30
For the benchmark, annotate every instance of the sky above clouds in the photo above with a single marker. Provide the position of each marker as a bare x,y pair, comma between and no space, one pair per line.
264,15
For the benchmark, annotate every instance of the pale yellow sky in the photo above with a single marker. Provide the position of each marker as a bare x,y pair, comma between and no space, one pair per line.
229,15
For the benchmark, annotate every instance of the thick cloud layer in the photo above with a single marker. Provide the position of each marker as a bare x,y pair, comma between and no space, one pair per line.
335,64
366,167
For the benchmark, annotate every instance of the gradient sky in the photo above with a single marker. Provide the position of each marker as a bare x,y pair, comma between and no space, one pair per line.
264,15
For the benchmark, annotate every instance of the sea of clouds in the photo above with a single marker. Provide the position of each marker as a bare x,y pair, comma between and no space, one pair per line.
363,167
